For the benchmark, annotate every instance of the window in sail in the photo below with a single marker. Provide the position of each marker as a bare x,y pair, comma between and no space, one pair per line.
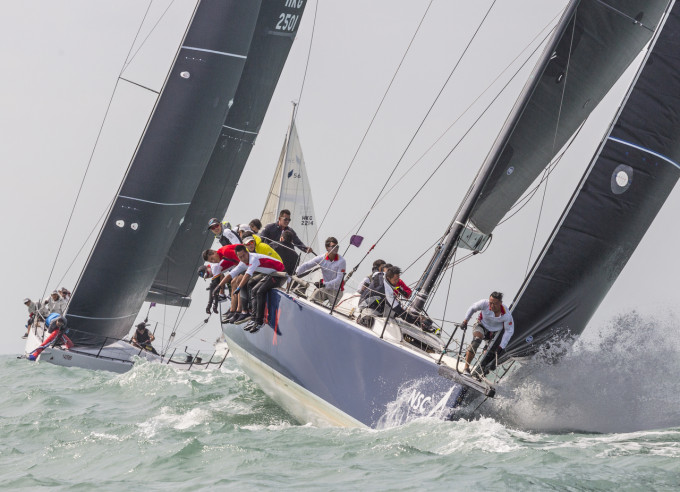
621,178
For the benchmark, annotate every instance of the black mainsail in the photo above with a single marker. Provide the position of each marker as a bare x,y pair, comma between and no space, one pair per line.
274,34
615,203
563,91
165,171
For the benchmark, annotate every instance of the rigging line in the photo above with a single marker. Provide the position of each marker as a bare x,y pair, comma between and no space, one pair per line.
546,173
89,161
128,59
140,85
309,55
422,122
473,103
375,114
424,252
448,292
446,157
465,111
94,228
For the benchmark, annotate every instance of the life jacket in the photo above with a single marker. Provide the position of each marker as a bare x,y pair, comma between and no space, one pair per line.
374,295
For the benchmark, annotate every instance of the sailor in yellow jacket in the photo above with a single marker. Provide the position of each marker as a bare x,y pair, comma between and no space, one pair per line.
255,245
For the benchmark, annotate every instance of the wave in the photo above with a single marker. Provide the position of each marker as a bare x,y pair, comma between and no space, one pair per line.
623,379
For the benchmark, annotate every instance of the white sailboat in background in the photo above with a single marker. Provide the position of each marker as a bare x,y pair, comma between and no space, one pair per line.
290,190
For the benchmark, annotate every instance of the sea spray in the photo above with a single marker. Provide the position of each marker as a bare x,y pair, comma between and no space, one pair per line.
622,380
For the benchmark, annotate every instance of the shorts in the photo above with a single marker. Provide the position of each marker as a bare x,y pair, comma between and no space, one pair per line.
480,328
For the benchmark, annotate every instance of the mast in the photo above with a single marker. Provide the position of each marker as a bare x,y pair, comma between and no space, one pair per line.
445,250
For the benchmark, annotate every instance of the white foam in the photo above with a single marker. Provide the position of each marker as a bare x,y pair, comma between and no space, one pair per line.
625,380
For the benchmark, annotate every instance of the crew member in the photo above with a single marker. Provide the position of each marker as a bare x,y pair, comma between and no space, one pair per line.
272,232
205,272
223,232
32,313
333,269
377,264
250,264
286,250
142,338
493,317
255,245
56,327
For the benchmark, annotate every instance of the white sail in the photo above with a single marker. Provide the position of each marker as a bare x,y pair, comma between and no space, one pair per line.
290,190
271,206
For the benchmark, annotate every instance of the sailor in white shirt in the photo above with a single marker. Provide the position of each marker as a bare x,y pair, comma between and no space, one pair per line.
493,317
333,269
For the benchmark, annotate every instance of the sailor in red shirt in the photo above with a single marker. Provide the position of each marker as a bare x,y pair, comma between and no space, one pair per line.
257,287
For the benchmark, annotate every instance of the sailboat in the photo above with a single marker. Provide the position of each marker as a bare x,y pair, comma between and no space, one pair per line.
323,367
204,123
290,190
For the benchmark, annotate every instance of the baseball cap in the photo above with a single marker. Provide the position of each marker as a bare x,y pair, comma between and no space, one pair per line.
213,222
244,228
248,240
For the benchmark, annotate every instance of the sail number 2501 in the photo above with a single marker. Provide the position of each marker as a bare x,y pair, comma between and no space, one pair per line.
287,22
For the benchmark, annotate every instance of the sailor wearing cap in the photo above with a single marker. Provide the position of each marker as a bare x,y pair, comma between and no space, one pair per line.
223,232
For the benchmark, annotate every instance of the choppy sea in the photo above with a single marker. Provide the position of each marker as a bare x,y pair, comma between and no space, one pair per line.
606,417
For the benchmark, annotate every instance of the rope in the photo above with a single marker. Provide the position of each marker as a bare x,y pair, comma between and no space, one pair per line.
309,54
94,228
373,118
89,161
422,122
445,158
466,110
130,59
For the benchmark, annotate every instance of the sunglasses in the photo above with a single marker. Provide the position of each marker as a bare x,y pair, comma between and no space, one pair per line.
215,226
331,245
286,220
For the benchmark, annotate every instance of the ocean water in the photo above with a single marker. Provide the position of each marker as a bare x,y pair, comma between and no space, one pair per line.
606,417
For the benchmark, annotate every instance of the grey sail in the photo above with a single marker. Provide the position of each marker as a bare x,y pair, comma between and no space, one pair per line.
561,93
277,24
607,35
618,198
165,171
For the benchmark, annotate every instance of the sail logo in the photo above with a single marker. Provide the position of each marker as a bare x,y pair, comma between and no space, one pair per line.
293,174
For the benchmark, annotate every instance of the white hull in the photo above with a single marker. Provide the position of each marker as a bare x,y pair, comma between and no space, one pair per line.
116,357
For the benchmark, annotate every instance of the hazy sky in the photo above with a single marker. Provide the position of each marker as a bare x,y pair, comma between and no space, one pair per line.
62,60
